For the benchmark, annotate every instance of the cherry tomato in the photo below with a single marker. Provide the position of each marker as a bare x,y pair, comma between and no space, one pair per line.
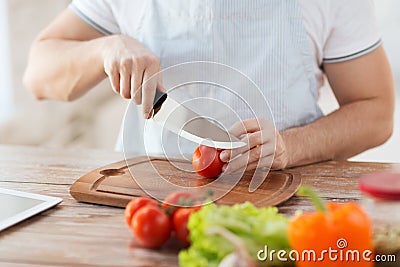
179,222
206,161
179,198
151,226
135,204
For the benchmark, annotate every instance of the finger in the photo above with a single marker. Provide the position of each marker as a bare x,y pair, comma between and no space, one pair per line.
148,92
160,84
136,81
113,75
251,156
240,163
245,126
149,89
125,79
265,162
125,88
252,140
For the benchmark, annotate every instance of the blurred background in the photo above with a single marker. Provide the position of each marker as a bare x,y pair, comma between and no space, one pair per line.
94,120
91,122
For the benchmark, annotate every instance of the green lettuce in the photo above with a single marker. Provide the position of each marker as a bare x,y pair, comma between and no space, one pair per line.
256,227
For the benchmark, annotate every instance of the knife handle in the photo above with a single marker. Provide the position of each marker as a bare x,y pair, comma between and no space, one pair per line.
159,99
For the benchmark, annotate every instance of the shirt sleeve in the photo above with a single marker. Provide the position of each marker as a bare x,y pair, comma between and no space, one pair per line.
98,14
353,32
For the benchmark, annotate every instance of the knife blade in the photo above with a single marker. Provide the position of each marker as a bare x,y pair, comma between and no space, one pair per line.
190,125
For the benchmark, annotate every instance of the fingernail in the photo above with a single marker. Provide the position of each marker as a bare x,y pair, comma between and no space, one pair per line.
147,115
224,156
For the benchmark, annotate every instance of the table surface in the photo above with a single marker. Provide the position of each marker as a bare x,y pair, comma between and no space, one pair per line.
79,234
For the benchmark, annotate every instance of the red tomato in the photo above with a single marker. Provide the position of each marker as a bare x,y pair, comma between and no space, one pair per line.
179,198
151,226
179,222
206,161
135,204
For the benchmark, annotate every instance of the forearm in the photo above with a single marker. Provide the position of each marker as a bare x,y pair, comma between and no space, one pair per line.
64,69
353,128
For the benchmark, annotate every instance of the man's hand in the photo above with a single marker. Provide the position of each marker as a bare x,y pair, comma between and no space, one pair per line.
264,146
130,66
70,57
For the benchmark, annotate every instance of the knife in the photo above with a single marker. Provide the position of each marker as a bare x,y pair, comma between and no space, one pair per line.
190,125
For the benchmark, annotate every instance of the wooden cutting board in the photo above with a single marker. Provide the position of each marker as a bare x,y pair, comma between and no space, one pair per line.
113,184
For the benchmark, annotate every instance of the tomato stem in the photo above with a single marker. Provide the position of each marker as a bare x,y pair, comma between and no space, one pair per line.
318,202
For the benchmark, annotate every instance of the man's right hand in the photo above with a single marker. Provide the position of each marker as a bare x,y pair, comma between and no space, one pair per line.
70,57
130,67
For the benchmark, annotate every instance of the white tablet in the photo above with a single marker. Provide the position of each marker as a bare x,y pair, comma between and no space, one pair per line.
16,206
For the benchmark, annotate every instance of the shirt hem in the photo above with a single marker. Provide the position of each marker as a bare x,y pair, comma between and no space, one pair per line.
354,55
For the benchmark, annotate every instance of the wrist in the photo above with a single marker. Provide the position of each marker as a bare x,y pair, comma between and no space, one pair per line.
287,139
100,50
104,45
281,159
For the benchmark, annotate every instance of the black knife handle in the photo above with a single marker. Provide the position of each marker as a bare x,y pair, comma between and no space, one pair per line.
159,99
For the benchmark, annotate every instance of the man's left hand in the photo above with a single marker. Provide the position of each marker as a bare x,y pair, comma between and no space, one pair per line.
265,147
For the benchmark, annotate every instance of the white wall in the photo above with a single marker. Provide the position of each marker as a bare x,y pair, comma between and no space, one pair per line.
6,103
389,20
93,121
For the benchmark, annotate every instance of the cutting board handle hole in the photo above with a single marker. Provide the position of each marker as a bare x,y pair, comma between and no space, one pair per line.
111,172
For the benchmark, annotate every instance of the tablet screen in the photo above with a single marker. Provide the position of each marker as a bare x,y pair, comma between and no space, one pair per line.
16,206
11,205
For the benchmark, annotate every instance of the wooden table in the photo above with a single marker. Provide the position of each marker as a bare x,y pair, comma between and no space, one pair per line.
78,234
